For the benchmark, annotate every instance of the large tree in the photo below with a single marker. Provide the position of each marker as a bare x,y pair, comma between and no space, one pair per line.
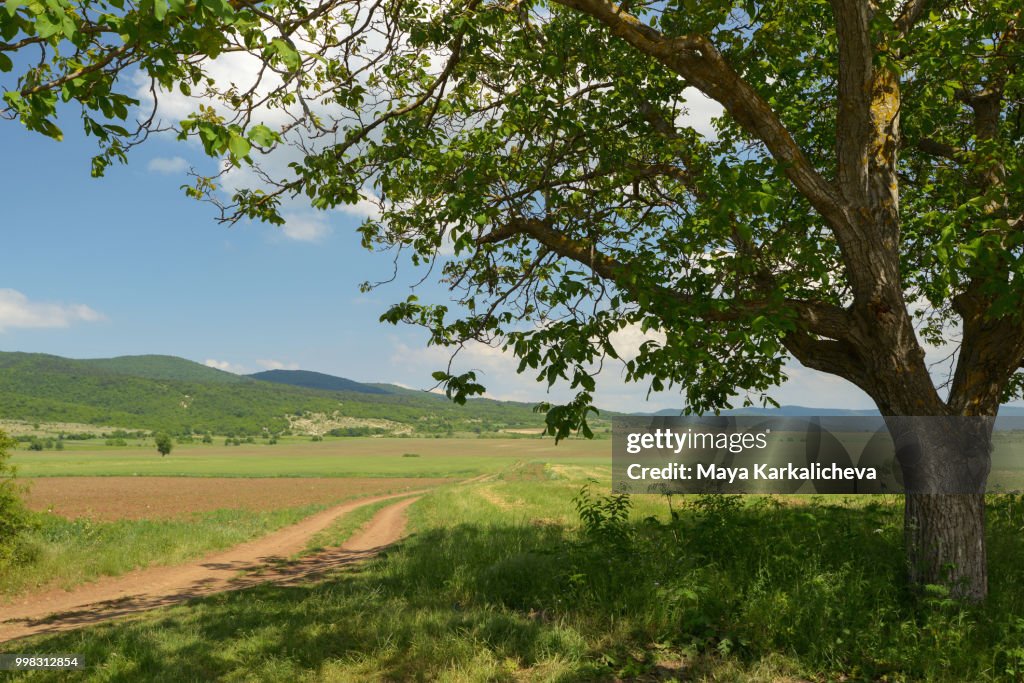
858,199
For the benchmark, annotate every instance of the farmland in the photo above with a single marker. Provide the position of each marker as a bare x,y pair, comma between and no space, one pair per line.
135,498
352,457
106,511
514,574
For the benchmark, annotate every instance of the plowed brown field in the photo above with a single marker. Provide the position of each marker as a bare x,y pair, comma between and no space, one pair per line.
109,498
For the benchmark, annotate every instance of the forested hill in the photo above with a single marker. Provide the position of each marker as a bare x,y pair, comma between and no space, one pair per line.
178,395
164,367
317,380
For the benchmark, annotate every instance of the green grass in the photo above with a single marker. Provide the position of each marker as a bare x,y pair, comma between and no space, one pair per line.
65,553
353,457
500,581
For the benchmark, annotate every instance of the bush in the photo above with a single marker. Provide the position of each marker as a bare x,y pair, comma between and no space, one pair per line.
13,516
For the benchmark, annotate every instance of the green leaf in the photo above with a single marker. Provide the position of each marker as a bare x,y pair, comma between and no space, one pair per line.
288,55
239,146
262,136
12,6
45,28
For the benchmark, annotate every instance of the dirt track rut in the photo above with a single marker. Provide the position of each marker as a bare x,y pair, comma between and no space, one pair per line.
247,564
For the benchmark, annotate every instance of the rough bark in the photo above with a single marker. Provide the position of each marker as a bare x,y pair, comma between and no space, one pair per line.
945,543
945,464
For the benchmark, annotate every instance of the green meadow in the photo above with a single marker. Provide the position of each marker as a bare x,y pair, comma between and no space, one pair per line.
535,574
350,457
60,553
64,553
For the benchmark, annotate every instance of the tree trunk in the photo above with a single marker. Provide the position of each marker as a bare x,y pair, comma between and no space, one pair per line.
945,543
945,463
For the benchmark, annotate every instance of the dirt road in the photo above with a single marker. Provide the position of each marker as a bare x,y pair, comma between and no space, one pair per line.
245,565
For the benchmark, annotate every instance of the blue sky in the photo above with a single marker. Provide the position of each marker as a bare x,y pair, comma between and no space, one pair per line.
127,264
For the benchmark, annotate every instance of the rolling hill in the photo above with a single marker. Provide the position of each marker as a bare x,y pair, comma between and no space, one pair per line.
163,367
317,380
180,396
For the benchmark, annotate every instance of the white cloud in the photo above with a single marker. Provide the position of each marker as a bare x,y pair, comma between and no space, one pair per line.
814,389
270,364
699,112
226,366
497,371
168,165
305,226
17,311
234,68
628,340
369,206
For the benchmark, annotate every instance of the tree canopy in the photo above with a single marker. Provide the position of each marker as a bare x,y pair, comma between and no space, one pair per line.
859,197
163,443
864,181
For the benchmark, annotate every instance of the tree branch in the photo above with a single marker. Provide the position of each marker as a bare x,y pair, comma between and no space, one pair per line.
813,317
702,65
826,355
908,15
940,149
83,71
853,120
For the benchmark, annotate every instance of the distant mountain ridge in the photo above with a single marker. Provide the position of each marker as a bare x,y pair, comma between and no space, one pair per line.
180,396
158,392
782,411
803,411
316,380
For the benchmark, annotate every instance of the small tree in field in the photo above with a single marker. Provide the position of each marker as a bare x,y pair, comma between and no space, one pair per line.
860,197
164,444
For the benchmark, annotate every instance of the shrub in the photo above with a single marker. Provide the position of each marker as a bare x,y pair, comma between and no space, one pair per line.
13,517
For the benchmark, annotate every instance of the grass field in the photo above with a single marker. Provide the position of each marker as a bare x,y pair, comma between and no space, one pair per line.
352,457
501,581
517,577
106,511
63,553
